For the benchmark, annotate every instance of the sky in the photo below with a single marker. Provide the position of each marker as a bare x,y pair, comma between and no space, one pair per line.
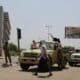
32,16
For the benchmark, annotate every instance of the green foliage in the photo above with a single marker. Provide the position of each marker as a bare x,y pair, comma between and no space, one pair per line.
13,49
68,49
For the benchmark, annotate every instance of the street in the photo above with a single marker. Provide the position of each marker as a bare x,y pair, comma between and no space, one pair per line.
15,73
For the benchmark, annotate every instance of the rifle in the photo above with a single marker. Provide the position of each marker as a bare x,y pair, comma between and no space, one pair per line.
55,39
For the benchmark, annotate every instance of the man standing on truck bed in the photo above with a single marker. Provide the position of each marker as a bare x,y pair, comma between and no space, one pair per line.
33,45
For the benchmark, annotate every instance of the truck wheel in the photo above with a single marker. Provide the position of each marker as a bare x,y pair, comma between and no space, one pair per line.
24,66
71,63
60,66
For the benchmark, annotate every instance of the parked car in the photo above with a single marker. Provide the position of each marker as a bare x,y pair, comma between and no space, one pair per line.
74,59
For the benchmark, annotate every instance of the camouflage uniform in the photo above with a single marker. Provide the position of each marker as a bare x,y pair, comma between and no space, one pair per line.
59,55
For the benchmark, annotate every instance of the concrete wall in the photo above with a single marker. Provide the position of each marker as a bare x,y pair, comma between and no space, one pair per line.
5,28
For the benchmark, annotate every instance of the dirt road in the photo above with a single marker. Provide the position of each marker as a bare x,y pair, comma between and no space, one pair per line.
15,73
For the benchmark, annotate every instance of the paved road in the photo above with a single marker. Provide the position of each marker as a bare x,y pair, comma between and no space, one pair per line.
15,73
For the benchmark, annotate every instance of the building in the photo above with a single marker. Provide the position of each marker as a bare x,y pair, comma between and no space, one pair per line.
72,32
5,28
1,26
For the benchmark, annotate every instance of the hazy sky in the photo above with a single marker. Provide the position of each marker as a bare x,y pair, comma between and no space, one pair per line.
33,15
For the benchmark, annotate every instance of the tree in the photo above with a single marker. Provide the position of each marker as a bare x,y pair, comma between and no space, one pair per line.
68,48
13,49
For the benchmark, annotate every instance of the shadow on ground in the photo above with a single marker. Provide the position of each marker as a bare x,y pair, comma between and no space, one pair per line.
42,71
5,65
33,70
42,76
76,65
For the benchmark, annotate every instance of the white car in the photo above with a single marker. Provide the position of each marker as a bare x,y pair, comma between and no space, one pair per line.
74,59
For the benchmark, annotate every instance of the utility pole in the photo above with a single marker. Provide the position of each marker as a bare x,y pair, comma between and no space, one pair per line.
48,27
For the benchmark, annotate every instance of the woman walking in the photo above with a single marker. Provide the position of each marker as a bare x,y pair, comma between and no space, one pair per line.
43,63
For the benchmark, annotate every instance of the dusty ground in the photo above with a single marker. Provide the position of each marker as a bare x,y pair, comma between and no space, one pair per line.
15,73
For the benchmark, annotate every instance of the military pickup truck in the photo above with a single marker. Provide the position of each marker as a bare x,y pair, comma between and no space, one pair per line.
31,57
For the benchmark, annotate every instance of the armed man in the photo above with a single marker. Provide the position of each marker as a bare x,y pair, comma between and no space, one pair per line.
58,49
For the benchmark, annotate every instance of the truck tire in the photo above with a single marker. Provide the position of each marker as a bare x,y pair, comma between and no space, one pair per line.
24,67
71,64
60,67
